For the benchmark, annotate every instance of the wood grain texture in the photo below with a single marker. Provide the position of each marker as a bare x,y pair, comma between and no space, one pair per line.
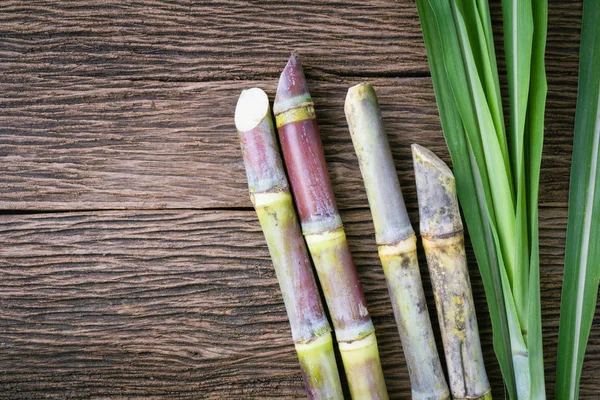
175,304
129,105
110,106
185,40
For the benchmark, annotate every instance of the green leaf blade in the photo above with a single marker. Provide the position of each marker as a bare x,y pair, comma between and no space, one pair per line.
533,150
582,265
497,169
518,41
518,37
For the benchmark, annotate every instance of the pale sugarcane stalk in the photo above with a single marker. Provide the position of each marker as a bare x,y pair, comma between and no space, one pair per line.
273,204
442,233
396,242
324,233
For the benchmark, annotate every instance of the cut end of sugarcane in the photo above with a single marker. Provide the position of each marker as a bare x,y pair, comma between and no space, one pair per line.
363,90
292,90
356,95
426,156
252,107
436,191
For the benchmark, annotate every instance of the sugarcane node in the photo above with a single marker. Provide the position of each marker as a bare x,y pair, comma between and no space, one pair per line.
439,237
402,246
300,112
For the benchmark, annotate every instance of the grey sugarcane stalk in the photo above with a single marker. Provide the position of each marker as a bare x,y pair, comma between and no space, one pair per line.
273,204
324,233
443,240
396,242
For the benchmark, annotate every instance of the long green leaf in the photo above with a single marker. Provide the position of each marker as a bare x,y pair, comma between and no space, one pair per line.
498,171
480,40
533,157
582,258
518,35
496,105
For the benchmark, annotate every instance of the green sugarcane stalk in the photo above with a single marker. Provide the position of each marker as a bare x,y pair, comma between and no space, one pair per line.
442,234
273,204
324,233
396,242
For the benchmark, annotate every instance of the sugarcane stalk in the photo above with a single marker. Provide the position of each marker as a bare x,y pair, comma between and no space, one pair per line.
443,240
322,227
272,201
396,242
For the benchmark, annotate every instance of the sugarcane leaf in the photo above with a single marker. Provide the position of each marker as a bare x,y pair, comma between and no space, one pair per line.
477,36
520,281
582,257
498,170
499,280
519,352
534,326
456,76
443,71
533,150
518,35
496,105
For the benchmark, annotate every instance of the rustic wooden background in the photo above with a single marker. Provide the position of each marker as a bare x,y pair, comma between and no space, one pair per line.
132,264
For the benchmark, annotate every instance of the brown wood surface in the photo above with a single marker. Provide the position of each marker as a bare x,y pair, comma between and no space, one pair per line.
132,264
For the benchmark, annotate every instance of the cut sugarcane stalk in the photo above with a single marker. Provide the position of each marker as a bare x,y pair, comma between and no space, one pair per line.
273,204
396,242
442,233
324,233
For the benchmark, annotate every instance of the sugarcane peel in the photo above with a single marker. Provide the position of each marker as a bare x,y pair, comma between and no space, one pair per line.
443,241
319,369
322,227
275,210
396,244
337,275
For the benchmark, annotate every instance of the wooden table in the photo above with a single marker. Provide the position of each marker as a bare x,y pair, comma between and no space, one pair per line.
132,264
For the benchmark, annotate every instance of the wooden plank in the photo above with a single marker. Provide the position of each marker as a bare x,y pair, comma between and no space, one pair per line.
111,106
223,39
153,145
185,304
114,105
210,40
173,145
